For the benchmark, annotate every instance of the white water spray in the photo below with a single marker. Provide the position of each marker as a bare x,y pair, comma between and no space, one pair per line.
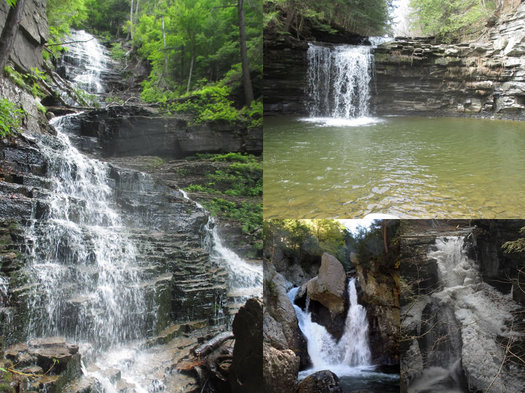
476,315
351,353
339,81
90,60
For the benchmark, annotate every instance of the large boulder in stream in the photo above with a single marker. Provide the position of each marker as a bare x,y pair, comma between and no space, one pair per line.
328,288
320,382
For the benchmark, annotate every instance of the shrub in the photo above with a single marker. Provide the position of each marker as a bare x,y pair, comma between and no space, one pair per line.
10,117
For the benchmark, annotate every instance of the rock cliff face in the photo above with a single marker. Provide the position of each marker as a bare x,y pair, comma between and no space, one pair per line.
32,34
483,78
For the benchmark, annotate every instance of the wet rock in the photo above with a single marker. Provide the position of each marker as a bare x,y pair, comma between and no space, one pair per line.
280,370
248,350
328,288
320,382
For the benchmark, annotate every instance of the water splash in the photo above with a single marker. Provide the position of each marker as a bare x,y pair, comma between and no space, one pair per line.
347,356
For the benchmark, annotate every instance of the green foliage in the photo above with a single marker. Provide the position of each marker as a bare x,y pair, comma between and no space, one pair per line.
16,77
62,15
249,214
10,117
515,246
453,19
370,17
108,15
191,46
112,100
10,3
86,99
117,53
209,104
308,236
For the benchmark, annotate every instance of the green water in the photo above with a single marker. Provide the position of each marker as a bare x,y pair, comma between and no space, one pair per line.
409,167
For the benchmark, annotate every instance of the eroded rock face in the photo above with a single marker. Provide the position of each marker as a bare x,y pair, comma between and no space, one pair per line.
328,288
128,131
281,329
320,382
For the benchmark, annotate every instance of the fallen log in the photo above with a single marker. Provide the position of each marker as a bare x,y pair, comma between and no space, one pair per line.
212,344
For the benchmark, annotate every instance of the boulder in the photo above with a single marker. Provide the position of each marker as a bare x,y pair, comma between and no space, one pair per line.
328,288
280,370
281,327
247,352
320,382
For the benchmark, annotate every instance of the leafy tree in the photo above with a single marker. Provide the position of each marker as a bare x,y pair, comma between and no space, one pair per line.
452,20
369,17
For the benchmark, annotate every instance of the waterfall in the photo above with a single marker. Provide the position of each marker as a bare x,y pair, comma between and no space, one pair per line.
465,320
351,352
83,268
338,81
80,253
85,61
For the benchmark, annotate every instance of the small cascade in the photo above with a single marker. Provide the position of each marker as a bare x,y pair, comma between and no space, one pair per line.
339,81
351,352
85,61
463,322
84,271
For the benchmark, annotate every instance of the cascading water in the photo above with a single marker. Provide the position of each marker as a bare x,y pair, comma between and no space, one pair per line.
81,255
85,61
83,266
347,356
339,80
467,318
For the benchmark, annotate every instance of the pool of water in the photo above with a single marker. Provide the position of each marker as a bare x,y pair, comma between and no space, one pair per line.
362,378
410,167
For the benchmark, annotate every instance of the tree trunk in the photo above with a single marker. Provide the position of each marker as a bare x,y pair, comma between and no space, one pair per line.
7,39
246,79
189,76
131,20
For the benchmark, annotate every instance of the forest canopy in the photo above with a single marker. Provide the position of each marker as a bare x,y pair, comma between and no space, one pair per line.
370,17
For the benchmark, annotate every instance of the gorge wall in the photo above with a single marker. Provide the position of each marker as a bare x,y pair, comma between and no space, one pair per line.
482,78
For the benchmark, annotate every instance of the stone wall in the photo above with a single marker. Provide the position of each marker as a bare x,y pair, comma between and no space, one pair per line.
32,34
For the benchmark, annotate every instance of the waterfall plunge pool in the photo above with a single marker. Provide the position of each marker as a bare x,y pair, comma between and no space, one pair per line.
349,357
410,167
